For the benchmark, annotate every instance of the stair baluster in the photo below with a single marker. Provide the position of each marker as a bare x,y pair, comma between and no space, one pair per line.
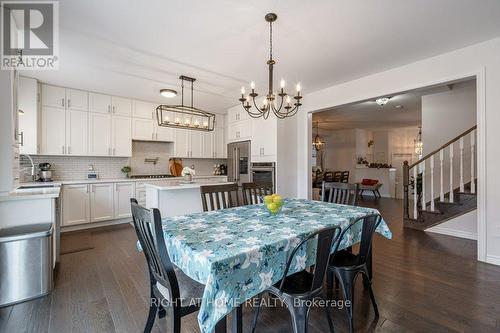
432,182
441,187
472,161
415,200
461,143
422,197
450,197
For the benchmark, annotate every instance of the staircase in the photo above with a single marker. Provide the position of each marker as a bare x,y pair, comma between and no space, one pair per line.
442,185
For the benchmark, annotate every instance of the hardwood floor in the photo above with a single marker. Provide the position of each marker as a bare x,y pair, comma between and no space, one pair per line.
423,282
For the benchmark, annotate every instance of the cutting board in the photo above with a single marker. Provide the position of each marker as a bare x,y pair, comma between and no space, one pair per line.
175,166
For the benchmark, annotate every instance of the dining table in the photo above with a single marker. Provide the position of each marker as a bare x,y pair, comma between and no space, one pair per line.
239,252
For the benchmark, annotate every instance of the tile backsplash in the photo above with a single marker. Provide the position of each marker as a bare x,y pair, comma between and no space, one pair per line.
142,150
76,167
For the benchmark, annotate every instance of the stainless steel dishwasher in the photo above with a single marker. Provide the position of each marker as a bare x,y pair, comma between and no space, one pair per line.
25,262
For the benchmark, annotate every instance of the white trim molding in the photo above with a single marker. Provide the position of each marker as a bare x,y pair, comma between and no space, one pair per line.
452,232
494,260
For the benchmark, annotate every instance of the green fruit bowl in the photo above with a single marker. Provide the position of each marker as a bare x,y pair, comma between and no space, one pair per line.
273,203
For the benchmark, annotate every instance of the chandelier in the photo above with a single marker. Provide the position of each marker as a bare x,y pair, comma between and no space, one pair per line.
183,116
279,102
317,142
419,145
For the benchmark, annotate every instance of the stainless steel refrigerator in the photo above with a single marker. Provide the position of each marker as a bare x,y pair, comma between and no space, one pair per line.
238,164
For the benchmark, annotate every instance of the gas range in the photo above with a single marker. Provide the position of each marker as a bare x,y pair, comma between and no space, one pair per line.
152,176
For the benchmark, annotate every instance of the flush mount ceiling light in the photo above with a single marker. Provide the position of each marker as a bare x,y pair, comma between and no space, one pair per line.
183,116
168,93
382,101
279,102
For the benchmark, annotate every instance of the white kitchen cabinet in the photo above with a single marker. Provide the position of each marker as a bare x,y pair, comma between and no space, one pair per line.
122,136
264,139
77,100
164,134
53,96
123,193
100,134
75,204
143,110
99,103
53,128
239,131
219,143
77,132
236,114
143,129
121,106
208,144
29,117
101,202
195,144
181,143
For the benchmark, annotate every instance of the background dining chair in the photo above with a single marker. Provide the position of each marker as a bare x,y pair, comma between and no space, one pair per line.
340,193
169,286
328,176
344,177
337,176
252,192
345,266
219,196
295,290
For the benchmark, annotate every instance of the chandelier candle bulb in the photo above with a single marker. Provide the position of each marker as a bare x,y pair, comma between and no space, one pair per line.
252,85
282,84
298,88
242,91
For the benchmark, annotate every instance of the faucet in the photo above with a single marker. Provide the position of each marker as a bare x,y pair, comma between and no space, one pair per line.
32,167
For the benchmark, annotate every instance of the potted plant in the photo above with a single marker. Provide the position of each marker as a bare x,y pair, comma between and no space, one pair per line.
126,170
188,174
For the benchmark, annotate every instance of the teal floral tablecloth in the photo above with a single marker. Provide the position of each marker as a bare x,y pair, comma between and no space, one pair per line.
239,252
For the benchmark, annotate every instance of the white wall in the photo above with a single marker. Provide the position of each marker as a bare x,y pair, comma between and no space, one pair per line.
459,227
447,114
480,59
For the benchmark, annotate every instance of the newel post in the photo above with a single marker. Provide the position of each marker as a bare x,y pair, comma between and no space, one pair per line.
406,184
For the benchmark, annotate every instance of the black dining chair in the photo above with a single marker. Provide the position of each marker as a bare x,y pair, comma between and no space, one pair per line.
253,192
337,176
345,266
344,177
214,197
299,288
170,289
340,193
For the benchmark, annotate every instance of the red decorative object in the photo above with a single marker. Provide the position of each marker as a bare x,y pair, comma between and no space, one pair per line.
369,182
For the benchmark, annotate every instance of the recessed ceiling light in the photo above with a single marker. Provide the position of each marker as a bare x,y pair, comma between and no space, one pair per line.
382,101
168,93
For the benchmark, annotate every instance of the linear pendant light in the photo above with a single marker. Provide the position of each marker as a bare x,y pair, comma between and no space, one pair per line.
183,116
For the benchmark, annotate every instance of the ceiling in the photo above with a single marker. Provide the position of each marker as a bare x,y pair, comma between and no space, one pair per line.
135,48
402,110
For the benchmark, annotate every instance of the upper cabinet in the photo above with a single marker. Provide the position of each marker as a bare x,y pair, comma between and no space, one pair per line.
100,103
264,139
143,110
53,96
28,115
77,100
237,113
121,106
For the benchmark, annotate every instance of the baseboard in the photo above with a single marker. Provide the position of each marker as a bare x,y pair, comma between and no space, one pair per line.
494,260
95,225
452,232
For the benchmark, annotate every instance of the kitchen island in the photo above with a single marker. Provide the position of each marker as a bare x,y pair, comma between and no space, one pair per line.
176,197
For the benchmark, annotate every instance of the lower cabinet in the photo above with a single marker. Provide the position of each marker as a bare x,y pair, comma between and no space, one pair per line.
123,193
101,202
76,204
86,203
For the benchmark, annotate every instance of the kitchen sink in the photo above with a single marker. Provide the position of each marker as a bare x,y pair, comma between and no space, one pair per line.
26,187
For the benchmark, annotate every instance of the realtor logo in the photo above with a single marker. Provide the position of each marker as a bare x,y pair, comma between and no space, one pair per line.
30,35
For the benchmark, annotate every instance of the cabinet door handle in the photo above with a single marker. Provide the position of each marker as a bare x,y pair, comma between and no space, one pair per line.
109,108
21,135
69,103
86,188
69,150
113,109
114,151
62,102
109,151
63,149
